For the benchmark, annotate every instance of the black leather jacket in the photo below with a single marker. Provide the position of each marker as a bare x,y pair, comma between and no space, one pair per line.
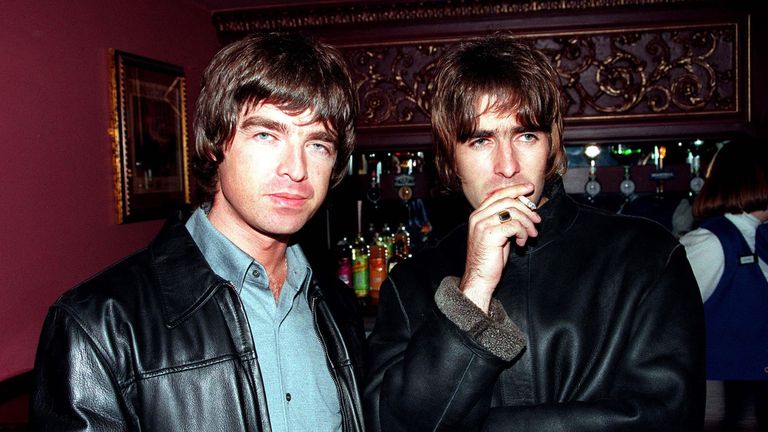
614,327
159,342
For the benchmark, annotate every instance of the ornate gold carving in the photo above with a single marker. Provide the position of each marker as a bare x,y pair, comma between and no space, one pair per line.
249,20
648,72
394,83
608,74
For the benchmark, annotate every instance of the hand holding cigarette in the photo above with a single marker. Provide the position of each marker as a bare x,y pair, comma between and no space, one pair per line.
505,215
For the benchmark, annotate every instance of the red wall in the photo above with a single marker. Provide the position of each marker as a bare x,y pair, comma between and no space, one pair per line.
57,222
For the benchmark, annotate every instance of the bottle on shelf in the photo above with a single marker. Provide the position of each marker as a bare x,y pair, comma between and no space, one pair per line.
377,263
344,261
371,234
402,245
388,237
360,272
360,278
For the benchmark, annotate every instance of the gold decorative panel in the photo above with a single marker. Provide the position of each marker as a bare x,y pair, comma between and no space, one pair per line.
648,72
606,75
394,83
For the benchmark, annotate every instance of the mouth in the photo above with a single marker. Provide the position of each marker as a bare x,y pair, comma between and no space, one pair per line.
496,189
491,192
288,199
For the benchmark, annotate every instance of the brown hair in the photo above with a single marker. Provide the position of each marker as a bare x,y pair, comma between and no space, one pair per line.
289,70
737,180
516,76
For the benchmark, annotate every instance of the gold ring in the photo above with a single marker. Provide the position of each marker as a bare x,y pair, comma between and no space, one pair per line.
504,216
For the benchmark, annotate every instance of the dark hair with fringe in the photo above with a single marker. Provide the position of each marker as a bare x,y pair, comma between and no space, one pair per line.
736,181
291,71
516,77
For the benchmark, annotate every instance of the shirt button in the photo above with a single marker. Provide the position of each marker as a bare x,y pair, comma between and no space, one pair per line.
288,397
256,273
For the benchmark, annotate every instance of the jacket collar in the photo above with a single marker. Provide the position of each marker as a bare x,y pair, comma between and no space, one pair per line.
184,278
557,216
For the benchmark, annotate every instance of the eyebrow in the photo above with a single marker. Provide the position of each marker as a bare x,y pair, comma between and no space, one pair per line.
261,122
256,121
480,133
323,135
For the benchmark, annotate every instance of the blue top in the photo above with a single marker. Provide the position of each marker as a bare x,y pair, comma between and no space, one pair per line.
736,312
301,394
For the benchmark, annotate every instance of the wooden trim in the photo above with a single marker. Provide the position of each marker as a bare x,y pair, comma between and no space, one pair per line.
243,21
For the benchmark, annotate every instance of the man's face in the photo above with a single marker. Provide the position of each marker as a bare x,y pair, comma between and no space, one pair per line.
501,153
276,171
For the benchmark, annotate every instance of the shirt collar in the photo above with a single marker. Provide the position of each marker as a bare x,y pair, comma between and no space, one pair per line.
299,270
231,263
743,219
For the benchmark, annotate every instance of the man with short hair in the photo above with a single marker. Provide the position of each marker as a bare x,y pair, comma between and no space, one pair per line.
221,324
539,314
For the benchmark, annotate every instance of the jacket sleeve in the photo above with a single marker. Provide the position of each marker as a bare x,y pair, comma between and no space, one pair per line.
74,390
424,372
660,385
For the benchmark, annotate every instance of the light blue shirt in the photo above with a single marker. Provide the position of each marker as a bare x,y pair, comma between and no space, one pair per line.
301,394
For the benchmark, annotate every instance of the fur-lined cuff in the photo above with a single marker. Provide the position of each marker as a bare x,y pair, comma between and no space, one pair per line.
495,331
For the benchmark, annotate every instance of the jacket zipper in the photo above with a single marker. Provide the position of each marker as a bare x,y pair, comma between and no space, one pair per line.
313,306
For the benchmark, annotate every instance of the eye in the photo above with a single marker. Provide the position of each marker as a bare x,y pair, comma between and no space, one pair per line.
322,148
262,136
479,142
528,137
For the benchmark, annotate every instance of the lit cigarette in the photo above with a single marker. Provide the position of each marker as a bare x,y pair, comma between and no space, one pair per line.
528,203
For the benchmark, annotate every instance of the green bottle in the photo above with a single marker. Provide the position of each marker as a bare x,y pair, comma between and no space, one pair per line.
360,282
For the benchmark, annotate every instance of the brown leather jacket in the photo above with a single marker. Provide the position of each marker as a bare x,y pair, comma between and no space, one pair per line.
158,342
613,324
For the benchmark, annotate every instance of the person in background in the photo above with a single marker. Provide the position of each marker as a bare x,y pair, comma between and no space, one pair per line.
728,254
539,314
221,324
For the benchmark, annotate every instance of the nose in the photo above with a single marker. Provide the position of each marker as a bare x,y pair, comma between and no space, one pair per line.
293,163
505,161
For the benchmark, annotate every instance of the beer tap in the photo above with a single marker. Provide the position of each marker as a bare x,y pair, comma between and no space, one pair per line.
660,175
694,161
592,187
624,155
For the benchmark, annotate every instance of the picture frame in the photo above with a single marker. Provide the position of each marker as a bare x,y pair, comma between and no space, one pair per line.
149,139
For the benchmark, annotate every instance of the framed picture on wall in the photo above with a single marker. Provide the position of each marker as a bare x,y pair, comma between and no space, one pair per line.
149,139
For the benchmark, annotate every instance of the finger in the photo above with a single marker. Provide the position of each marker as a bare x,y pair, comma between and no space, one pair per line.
497,203
519,222
507,215
512,203
498,229
515,190
514,229
502,212
523,216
